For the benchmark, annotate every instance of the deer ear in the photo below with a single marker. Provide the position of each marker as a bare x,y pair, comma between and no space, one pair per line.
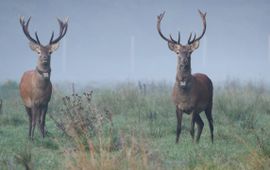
171,46
53,47
194,45
35,47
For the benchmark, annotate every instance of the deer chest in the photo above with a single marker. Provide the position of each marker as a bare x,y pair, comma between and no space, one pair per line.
184,101
41,96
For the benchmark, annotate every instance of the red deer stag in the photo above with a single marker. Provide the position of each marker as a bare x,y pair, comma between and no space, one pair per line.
192,93
35,85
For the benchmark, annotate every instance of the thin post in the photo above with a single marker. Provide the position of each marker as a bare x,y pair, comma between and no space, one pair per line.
73,88
1,106
268,49
132,56
204,50
64,56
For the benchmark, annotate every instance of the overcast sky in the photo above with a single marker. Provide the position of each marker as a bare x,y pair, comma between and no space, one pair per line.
117,40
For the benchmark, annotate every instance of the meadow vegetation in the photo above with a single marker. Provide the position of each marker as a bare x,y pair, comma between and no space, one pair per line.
132,126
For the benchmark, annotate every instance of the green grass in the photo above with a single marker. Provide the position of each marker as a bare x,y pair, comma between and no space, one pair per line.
142,135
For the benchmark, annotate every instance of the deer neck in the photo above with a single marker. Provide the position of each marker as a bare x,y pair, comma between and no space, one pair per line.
183,77
43,72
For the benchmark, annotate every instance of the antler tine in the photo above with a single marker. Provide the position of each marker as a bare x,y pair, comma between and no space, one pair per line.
203,16
22,20
26,31
37,37
52,36
172,39
194,38
189,38
178,37
63,29
63,25
159,18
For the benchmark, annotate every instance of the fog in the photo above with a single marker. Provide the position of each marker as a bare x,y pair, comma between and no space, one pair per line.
117,40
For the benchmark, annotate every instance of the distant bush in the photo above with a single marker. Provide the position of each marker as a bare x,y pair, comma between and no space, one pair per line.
9,89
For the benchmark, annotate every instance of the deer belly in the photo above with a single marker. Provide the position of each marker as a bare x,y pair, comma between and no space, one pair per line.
186,104
40,102
186,107
41,97
190,107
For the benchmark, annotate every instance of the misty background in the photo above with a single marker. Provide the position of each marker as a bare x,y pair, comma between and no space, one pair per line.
117,40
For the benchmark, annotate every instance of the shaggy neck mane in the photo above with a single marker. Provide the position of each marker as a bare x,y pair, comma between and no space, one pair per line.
44,71
183,76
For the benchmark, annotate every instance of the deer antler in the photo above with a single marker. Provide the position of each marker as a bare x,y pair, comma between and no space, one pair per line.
203,16
63,29
26,31
171,40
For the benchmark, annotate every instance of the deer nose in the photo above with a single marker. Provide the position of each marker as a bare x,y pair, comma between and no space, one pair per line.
45,57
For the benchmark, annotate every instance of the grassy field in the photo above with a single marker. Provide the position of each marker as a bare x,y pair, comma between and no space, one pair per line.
132,126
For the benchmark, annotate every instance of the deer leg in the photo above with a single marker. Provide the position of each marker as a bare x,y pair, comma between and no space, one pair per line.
43,116
29,113
34,117
179,115
200,125
39,114
208,113
193,118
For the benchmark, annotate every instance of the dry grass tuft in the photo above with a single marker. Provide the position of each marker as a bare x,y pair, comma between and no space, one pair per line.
94,142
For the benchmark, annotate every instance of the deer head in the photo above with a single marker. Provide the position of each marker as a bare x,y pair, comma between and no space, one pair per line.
44,51
183,52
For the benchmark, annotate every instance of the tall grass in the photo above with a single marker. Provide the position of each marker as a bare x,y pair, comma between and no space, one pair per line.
132,126
242,104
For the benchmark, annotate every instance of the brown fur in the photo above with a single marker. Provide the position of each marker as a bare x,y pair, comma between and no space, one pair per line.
193,100
192,94
36,94
197,96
